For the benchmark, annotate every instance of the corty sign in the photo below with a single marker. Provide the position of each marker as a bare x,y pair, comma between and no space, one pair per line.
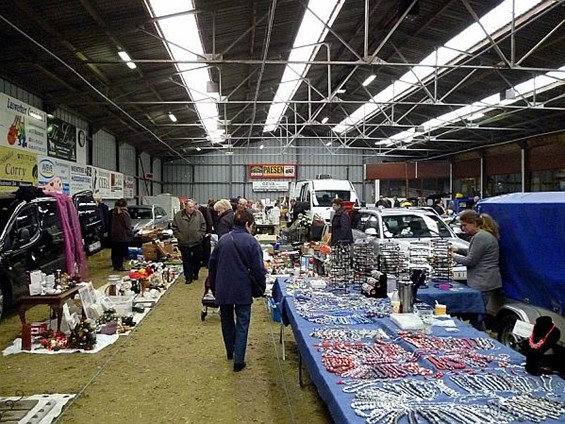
270,186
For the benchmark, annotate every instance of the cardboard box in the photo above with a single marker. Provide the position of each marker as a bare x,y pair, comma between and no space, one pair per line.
150,251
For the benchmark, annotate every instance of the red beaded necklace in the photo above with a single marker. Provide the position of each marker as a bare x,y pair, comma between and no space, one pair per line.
541,342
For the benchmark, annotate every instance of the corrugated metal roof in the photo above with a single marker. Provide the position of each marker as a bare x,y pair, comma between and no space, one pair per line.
66,53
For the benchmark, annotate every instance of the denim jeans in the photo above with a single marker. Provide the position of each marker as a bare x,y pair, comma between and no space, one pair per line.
235,326
191,259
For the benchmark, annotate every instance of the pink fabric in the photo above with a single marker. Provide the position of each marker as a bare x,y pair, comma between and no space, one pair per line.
73,243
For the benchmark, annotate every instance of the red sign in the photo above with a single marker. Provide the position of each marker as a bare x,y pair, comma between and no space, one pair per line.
272,170
149,176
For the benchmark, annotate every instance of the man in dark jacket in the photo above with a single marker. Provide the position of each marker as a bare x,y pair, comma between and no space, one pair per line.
341,224
236,256
189,227
206,246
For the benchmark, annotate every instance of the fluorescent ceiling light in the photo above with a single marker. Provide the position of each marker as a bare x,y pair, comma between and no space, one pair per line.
325,120
341,91
496,23
124,56
35,115
329,143
131,65
369,80
198,149
319,16
172,117
183,41
261,147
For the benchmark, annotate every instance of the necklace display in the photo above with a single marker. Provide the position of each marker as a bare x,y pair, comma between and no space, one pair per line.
362,360
348,334
486,384
435,344
540,342
530,408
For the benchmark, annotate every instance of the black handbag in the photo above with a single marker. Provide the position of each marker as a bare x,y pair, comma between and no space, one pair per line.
257,289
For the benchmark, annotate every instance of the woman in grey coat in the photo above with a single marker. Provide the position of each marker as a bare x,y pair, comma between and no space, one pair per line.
481,258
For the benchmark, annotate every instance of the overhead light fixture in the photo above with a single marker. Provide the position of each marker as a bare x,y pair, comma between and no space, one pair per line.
178,27
369,80
125,57
172,117
472,39
35,115
329,143
325,120
198,149
318,18
261,147
340,91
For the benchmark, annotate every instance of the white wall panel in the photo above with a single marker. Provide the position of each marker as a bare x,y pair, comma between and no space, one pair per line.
127,159
104,150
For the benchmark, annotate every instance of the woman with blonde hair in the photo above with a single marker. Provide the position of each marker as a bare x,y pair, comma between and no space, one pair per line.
481,258
225,217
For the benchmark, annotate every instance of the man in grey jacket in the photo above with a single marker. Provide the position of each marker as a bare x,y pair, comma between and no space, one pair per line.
189,227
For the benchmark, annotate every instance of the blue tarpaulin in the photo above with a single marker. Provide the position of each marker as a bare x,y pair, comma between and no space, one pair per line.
532,246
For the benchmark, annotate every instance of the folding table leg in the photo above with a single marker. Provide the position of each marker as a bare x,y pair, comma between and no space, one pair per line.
281,341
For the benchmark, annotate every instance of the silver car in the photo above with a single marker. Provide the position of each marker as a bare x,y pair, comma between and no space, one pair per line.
146,218
405,226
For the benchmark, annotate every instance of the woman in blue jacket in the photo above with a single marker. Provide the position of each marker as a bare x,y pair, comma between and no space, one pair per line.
236,256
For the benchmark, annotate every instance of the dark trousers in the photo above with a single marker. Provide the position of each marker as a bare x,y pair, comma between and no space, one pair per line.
206,248
235,327
191,260
119,253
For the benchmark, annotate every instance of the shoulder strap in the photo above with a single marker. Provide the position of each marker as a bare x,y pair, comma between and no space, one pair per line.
238,252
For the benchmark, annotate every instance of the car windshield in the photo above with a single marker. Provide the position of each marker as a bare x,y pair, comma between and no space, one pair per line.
140,213
325,197
414,226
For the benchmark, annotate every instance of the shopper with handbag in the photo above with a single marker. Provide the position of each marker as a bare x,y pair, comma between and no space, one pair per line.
236,264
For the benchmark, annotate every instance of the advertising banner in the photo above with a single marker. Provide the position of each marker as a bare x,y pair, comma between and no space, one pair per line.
54,174
106,184
80,179
129,187
61,139
22,126
272,170
17,168
270,186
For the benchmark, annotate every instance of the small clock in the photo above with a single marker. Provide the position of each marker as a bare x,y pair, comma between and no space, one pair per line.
81,138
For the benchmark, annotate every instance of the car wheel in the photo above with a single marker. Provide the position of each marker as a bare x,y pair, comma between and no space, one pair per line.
505,334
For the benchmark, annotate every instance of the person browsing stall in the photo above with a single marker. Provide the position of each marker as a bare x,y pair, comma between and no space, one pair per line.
341,224
236,256
189,227
121,234
481,258
225,217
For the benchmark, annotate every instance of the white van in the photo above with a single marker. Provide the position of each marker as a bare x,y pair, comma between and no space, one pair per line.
319,194
167,201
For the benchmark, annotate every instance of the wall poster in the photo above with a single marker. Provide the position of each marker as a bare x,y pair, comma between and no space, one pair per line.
22,126
61,139
17,168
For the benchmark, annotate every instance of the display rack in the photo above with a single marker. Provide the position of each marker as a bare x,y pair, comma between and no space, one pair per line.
364,262
340,269
391,258
441,261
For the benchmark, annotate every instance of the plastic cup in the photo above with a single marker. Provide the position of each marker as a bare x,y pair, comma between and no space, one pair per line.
440,309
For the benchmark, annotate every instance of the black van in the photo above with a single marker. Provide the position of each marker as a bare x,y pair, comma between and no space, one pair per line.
31,238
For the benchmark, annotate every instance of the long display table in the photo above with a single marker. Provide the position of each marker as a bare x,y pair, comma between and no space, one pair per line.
330,386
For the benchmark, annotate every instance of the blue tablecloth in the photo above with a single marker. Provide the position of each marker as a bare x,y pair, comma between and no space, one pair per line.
459,299
329,389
